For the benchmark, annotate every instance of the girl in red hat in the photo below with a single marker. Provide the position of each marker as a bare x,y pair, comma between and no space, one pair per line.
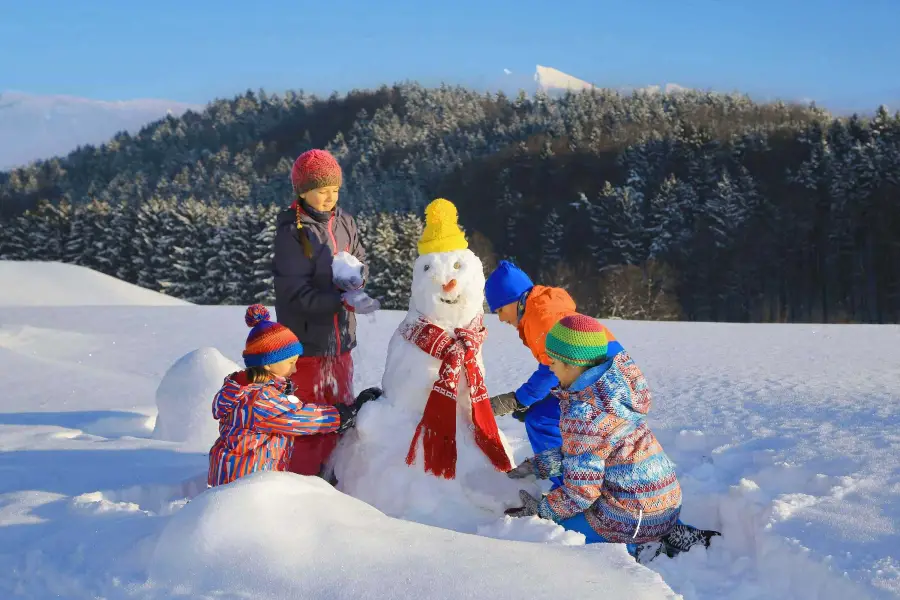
318,308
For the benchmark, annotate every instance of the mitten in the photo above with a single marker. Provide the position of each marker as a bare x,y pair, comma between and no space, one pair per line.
354,282
522,471
360,302
519,413
503,404
529,508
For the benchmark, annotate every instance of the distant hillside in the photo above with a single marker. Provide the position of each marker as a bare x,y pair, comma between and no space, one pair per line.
736,210
39,127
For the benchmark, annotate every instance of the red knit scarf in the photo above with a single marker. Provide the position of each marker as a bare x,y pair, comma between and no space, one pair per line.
438,424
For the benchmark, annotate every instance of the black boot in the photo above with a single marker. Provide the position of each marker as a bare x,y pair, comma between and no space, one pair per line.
683,537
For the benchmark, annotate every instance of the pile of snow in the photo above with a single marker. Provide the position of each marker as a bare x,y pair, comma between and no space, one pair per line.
184,398
34,283
276,535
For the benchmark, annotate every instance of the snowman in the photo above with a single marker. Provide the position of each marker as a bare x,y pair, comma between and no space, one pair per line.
429,450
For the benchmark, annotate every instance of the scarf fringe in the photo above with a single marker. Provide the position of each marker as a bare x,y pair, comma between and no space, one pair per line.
487,436
438,449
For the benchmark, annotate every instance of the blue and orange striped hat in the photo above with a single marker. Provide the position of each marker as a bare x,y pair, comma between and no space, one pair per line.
268,342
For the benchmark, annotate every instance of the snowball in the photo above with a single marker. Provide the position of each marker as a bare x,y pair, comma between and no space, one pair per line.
346,268
184,398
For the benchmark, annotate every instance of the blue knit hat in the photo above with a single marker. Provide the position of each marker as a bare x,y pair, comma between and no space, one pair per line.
506,285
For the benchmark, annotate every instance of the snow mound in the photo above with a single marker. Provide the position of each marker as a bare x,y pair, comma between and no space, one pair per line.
34,283
184,398
234,540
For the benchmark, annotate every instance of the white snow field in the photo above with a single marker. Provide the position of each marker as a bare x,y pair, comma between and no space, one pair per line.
786,438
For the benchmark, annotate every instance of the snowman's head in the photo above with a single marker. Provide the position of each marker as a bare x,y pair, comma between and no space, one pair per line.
448,287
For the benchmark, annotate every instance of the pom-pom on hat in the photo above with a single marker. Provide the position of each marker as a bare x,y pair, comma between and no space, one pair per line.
314,169
268,342
442,232
577,340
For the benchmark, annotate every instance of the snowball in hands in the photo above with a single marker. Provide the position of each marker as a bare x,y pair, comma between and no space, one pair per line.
347,271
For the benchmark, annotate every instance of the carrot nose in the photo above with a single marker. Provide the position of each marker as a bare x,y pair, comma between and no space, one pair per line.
448,287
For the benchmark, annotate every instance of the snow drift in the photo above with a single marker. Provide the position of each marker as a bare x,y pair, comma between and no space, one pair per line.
35,283
276,535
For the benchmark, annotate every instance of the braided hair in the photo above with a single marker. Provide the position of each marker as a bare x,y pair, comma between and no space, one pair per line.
304,236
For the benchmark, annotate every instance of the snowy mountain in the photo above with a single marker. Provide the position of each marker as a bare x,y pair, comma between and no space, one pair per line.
36,127
797,467
552,80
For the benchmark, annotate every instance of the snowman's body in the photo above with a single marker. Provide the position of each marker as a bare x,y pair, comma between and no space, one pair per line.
370,462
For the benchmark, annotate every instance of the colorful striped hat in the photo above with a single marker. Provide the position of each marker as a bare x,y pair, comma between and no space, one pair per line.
314,169
577,340
268,342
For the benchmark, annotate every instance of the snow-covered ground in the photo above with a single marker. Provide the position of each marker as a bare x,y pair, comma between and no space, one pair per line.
787,440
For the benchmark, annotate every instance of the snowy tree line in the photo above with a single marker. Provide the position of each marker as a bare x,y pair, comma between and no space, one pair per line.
685,205
191,250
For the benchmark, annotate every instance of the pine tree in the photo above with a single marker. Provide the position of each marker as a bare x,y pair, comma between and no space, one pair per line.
263,289
49,231
551,242
154,243
118,244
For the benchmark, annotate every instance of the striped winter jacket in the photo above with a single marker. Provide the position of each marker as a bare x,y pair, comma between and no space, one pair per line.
613,468
257,422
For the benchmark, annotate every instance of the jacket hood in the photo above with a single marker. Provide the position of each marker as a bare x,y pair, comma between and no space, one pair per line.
237,389
607,387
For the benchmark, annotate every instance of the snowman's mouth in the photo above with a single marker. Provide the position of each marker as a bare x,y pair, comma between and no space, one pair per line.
449,300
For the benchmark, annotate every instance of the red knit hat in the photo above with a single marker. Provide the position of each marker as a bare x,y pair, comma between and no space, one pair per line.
314,169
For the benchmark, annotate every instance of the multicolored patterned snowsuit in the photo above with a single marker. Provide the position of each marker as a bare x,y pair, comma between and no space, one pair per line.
257,426
616,476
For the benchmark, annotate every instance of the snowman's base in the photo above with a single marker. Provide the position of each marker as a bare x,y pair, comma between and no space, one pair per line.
370,465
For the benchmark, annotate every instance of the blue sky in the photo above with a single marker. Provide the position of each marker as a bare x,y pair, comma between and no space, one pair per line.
843,54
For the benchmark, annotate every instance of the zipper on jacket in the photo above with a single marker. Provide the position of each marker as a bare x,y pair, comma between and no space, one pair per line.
337,328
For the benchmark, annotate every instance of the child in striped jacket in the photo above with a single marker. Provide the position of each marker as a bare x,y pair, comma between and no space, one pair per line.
619,485
257,413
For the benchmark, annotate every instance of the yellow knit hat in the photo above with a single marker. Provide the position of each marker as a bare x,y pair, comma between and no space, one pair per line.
442,232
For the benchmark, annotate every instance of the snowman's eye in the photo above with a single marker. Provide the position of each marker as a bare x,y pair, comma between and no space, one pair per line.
426,267
456,265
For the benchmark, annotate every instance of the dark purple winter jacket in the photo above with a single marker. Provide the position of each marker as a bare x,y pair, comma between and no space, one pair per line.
306,300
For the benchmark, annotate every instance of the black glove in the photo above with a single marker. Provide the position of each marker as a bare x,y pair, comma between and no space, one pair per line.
503,404
529,509
367,395
522,471
348,417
